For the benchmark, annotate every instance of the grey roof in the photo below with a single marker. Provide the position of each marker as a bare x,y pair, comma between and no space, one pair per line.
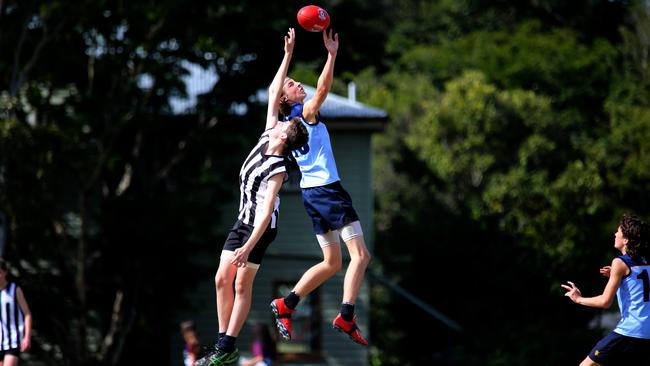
339,107
201,80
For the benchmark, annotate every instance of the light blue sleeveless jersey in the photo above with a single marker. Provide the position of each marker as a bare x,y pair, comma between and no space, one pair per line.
315,159
633,301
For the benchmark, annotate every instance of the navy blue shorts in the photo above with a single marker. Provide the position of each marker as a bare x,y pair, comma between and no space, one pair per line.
617,349
240,233
329,206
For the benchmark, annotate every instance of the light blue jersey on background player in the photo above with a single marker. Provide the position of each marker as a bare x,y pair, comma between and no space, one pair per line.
634,300
629,342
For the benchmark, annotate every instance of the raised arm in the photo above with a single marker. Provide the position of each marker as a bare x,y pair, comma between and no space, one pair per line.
325,79
618,271
275,89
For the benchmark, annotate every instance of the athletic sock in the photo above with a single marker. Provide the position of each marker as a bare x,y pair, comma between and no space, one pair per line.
291,301
227,343
347,311
219,336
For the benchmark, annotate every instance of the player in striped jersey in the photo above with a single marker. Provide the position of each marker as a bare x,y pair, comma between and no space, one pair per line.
260,179
15,320
629,342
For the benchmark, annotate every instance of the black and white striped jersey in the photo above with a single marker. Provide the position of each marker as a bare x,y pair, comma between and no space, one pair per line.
257,169
12,318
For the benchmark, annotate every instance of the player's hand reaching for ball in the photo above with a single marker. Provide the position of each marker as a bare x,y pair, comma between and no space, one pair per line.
331,43
605,271
289,40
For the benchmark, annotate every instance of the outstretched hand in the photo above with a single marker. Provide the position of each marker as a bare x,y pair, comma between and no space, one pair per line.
605,271
573,292
289,40
331,43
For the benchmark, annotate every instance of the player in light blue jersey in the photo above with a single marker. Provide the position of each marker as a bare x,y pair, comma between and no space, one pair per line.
327,203
629,279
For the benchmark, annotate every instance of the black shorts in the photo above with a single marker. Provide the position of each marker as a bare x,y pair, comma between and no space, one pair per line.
240,233
11,351
617,349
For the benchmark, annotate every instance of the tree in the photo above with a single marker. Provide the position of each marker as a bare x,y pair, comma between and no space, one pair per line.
503,181
105,189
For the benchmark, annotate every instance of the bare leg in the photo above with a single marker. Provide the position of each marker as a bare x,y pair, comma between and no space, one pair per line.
225,294
243,299
316,275
10,360
359,259
589,362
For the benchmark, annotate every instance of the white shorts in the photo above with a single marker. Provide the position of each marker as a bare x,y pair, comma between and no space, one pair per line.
347,232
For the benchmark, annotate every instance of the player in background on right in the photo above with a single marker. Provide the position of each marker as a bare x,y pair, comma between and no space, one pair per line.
629,280
327,203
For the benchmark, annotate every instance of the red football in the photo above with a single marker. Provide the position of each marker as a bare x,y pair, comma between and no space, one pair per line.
313,18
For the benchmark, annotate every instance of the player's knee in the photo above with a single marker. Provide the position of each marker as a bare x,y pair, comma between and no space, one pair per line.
240,288
361,256
333,265
220,281
332,258
366,257
337,266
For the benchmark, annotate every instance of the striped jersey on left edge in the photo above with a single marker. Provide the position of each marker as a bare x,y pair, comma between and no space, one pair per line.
253,181
13,319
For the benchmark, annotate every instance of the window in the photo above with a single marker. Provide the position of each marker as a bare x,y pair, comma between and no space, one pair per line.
305,341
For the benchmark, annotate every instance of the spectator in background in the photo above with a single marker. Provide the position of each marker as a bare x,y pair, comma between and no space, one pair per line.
263,348
192,348
16,324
